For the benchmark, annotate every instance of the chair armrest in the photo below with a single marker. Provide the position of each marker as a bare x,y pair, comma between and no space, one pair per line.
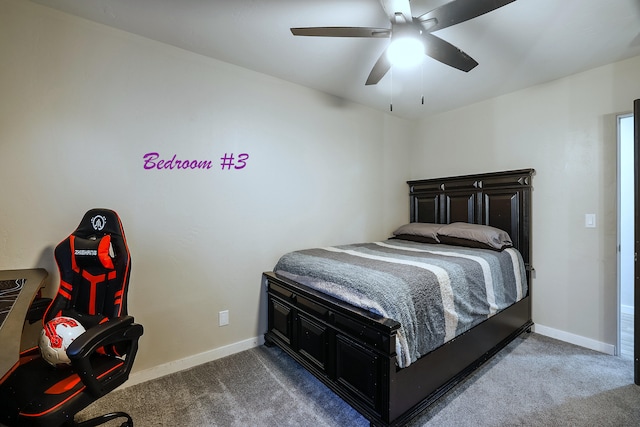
120,330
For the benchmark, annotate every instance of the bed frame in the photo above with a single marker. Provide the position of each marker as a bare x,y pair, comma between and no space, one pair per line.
352,351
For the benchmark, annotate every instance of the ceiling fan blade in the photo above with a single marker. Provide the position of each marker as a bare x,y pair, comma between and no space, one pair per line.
342,32
447,53
380,68
392,7
458,11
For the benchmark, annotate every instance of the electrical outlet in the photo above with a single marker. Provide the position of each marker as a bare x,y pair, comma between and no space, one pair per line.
223,318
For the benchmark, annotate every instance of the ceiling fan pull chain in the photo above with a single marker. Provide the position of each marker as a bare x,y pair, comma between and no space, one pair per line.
391,91
422,81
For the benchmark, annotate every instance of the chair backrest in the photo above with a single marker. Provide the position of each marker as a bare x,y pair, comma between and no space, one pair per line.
94,265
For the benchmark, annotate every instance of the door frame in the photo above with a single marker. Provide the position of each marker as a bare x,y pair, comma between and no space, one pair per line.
625,278
636,264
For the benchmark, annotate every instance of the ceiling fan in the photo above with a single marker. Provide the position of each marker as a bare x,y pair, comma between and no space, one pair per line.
404,24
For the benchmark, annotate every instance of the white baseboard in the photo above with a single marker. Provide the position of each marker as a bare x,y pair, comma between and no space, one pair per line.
575,339
191,361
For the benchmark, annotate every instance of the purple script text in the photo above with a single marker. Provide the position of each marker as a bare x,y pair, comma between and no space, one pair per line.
153,161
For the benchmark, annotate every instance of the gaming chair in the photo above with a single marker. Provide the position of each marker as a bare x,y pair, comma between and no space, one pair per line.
94,265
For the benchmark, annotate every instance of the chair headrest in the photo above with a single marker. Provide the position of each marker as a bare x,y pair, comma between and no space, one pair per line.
99,222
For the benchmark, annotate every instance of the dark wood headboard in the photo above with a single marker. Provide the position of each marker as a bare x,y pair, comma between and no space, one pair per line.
498,199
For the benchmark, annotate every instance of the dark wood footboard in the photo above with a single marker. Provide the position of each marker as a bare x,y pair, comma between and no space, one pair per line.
349,349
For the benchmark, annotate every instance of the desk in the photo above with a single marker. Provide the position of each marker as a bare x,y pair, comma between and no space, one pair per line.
17,290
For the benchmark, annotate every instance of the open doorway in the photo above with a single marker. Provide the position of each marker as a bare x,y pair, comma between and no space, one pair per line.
626,249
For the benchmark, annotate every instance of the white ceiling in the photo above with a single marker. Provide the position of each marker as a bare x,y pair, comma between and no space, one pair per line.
519,45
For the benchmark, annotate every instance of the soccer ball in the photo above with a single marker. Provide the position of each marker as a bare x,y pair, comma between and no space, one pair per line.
56,336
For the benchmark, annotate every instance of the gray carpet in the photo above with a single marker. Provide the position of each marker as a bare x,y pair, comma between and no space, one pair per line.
535,381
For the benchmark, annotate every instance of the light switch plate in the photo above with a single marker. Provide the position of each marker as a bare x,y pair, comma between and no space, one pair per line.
590,220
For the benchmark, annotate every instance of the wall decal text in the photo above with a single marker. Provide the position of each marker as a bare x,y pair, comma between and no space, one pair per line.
229,161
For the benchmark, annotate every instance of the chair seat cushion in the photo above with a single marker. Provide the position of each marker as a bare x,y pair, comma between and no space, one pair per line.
37,389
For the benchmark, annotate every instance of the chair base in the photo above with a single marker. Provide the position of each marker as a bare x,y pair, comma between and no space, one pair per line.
102,419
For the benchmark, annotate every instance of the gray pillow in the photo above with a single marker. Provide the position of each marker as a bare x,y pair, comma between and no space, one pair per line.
475,236
418,232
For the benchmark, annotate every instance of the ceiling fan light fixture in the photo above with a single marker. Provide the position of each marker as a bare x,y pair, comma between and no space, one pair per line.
411,37
405,52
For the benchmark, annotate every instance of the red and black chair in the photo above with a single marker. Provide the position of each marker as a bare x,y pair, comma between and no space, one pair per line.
94,265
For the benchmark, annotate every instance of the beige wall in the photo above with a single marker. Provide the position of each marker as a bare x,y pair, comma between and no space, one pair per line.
82,103
566,130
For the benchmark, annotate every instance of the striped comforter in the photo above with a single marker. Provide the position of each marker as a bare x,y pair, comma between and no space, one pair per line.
435,292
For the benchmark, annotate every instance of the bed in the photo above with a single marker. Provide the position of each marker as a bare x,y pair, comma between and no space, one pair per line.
359,349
